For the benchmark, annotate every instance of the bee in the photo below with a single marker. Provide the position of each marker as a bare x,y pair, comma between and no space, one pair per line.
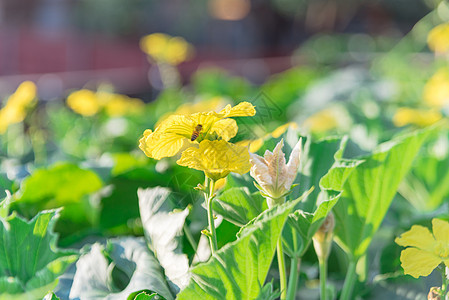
196,132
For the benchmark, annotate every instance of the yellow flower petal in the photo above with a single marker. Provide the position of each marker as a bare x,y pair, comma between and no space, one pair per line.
438,38
157,146
242,109
416,262
216,158
440,230
418,236
24,95
225,128
84,102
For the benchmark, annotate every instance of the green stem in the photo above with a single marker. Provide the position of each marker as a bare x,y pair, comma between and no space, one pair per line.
293,279
444,283
210,215
190,238
323,276
282,274
349,281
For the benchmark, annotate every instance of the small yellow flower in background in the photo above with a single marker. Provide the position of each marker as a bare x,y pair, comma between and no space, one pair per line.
273,175
165,48
83,102
322,121
16,107
419,117
436,90
438,38
425,250
255,145
181,131
216,159
88,103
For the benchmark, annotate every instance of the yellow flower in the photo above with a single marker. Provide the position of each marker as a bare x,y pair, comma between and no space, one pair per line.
216,158
436,90
88,103
181,131
425,250
420,117
322,121
84,102
16,107
164,48
438,38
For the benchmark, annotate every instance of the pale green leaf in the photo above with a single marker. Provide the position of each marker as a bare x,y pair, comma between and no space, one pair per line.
238,270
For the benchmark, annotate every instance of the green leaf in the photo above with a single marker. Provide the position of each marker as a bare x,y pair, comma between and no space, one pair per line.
302,226
125,266
268,293
50,296
30,263
164,230
238,206
146,296
316,160
238,270
426,187
56,186
368,189
4,205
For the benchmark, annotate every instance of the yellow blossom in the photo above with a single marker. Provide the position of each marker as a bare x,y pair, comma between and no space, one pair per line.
322,121
419,117
216,158
436,90
16,107
88,103
164,48
425,250
438,38
181,131
84,102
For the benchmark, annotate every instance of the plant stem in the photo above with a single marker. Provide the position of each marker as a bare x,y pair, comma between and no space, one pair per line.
210,215
323,277
349,281
444,282
190,238
282,274
293,279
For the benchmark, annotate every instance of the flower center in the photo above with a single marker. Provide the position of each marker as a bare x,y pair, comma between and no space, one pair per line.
442,250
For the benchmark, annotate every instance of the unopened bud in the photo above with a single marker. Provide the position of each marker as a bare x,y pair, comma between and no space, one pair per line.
322,240
434,293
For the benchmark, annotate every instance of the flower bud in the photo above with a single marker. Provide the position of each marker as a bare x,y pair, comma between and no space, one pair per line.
434,293
322,240
273,175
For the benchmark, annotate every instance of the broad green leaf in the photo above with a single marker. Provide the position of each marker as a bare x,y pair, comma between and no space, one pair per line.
164,230
4,205
368,188
316,160
125,266
58,185
30,263
302,226
238,270
238,206
146,296
426,187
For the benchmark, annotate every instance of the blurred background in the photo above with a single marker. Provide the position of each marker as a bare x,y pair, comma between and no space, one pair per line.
65,44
